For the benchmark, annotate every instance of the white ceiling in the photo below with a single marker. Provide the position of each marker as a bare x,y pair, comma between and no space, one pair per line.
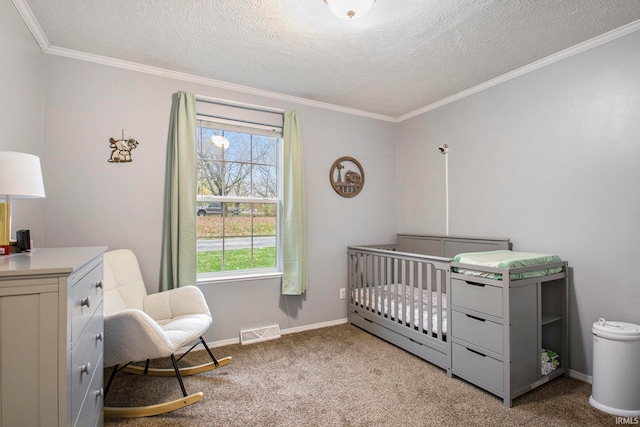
402,57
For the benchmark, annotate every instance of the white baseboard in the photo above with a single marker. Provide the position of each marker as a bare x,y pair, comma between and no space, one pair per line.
314,326
580,376
222,343
297,329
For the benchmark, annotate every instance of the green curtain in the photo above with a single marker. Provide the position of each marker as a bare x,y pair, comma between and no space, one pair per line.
294,264
179,240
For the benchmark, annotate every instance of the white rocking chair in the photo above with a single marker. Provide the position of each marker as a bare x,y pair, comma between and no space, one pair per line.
139,327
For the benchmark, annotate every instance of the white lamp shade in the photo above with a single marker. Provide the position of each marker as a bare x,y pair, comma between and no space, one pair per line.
349,9
20,175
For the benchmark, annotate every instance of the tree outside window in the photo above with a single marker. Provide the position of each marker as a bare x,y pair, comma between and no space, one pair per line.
238,198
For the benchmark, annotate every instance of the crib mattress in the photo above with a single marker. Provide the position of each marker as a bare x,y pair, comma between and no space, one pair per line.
399,301
506,259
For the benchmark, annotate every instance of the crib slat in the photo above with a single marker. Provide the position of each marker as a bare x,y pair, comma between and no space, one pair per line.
389,284
380,287
367,280
383,283
353,278
430,272
363,280
394,289
421,296
401,291
363,277
439,302
374,282
408,305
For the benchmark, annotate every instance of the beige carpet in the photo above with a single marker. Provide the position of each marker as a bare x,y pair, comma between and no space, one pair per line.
343,376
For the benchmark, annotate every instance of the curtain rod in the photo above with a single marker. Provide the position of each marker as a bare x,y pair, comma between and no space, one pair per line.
242,105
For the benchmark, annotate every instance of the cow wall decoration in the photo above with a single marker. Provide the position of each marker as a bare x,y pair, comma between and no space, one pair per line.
121,149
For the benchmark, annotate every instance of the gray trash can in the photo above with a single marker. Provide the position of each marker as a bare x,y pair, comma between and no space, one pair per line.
616,368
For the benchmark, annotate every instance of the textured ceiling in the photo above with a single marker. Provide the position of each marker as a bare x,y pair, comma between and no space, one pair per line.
402,56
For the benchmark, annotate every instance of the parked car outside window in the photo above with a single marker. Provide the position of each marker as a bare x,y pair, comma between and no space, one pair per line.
215,208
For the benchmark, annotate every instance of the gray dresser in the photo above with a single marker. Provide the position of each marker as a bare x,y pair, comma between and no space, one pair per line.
51,338
499,329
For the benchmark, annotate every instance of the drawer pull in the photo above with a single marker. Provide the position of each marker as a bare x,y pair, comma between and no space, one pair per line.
482,285
85,301
100,392
85,369
99,285
476,318
100,336
476,352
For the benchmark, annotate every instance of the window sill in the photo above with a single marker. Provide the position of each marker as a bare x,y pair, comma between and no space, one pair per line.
239,277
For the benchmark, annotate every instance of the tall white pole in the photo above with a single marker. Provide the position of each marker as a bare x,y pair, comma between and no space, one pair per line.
444,149
446,189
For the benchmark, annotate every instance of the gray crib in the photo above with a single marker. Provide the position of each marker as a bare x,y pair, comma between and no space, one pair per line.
490,332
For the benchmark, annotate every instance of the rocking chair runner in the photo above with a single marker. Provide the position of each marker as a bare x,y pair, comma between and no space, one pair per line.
139,327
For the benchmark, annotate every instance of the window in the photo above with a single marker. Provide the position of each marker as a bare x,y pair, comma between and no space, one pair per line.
238,197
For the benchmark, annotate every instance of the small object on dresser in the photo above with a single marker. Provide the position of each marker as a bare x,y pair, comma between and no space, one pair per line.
23,241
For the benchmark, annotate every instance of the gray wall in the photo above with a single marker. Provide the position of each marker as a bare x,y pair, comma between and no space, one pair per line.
93,202
551,160
21,107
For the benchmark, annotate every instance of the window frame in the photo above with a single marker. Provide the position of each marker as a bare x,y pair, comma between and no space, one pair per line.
230,125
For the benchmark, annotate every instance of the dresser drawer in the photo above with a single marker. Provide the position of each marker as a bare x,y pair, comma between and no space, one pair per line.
84,297
484,369
91,412
86,359
476,296
478,331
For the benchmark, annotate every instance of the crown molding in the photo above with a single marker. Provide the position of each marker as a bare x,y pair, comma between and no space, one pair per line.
156,71
32,24
563,54
41,39
46,47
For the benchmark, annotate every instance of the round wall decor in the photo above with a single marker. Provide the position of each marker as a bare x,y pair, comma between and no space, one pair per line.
347,183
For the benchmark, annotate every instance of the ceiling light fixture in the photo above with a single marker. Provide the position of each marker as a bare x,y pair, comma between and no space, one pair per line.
349,9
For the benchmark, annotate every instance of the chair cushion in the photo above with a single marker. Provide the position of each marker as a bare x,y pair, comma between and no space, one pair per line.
132,336
184,330
123,284
171,304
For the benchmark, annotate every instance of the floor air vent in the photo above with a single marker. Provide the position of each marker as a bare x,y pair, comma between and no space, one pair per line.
249,336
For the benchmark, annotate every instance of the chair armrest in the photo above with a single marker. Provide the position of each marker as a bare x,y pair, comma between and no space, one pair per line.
132,336
173,303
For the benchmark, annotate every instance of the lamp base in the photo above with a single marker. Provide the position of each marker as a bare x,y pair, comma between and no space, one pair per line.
5,226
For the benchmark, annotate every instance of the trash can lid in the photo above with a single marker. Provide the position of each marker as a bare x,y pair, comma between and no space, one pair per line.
619,330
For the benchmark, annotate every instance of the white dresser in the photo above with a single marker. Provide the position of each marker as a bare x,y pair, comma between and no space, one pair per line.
51,337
